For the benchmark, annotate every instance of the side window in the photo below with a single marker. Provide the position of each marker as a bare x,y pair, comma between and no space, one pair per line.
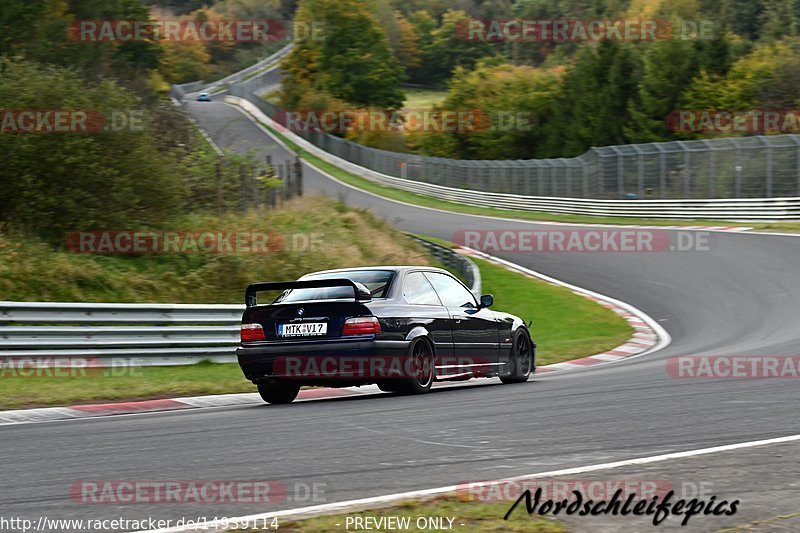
451,292
417,290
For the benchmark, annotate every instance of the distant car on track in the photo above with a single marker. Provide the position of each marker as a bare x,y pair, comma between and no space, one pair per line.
204,97
399,327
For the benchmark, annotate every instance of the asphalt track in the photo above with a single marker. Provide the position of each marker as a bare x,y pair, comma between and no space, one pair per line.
739,298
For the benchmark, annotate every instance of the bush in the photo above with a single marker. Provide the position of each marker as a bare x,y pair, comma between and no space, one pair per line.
53,183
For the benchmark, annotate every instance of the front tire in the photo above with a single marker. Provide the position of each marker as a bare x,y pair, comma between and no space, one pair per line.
277,391
421,367
521,359
388,386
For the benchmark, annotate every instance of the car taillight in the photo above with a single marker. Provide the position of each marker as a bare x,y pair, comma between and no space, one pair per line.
252,332
361,326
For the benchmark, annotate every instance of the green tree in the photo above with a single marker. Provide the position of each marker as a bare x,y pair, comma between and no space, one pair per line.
669,67
450,47
600,90
184,62
351,61
510,106
768,77
744,17
54,183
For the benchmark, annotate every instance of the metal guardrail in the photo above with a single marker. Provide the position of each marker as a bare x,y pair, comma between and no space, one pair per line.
115,334
109,335
460,263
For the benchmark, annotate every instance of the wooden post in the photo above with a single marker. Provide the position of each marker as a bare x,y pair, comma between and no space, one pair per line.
298,181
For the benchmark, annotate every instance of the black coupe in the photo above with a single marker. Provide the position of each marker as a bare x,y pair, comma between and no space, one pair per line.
401,328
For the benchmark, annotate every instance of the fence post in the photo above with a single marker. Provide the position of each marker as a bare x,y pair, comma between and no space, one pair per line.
585,179
798,166
278,195
769,172
255,184
712,174
640,180
738,170
687,182
287,184
298,177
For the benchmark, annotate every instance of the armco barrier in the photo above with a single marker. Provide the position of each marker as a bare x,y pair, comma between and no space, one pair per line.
461,263
140,334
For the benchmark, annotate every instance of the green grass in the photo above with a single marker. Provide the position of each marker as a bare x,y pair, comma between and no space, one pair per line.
476,517
100,386
427,201
565,326
422,99
346,236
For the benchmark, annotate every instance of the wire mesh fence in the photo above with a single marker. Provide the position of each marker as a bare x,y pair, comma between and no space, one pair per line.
743,167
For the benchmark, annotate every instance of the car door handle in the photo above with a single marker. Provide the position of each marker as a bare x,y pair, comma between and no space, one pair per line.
458,321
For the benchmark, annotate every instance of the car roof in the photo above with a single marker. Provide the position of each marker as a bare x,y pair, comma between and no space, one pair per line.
394,268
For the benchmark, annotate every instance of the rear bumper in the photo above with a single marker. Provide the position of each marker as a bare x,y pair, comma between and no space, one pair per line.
329,362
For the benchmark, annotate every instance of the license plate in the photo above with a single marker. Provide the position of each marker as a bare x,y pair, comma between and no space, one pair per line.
303,329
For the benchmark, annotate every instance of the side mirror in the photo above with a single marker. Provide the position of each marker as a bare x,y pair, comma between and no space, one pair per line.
487,300
362,293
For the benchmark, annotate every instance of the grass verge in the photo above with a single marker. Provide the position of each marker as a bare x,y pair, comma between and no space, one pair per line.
427,201
467,517
565,326
307,234
48,388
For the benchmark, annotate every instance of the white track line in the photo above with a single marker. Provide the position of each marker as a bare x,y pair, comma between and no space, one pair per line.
366,503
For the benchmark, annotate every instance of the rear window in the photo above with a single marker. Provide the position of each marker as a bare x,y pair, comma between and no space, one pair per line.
377,281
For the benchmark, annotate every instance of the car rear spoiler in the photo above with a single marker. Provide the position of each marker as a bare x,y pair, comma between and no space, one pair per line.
360,292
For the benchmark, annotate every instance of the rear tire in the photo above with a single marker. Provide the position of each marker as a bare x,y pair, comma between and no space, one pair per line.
278,392
521,359
422,366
